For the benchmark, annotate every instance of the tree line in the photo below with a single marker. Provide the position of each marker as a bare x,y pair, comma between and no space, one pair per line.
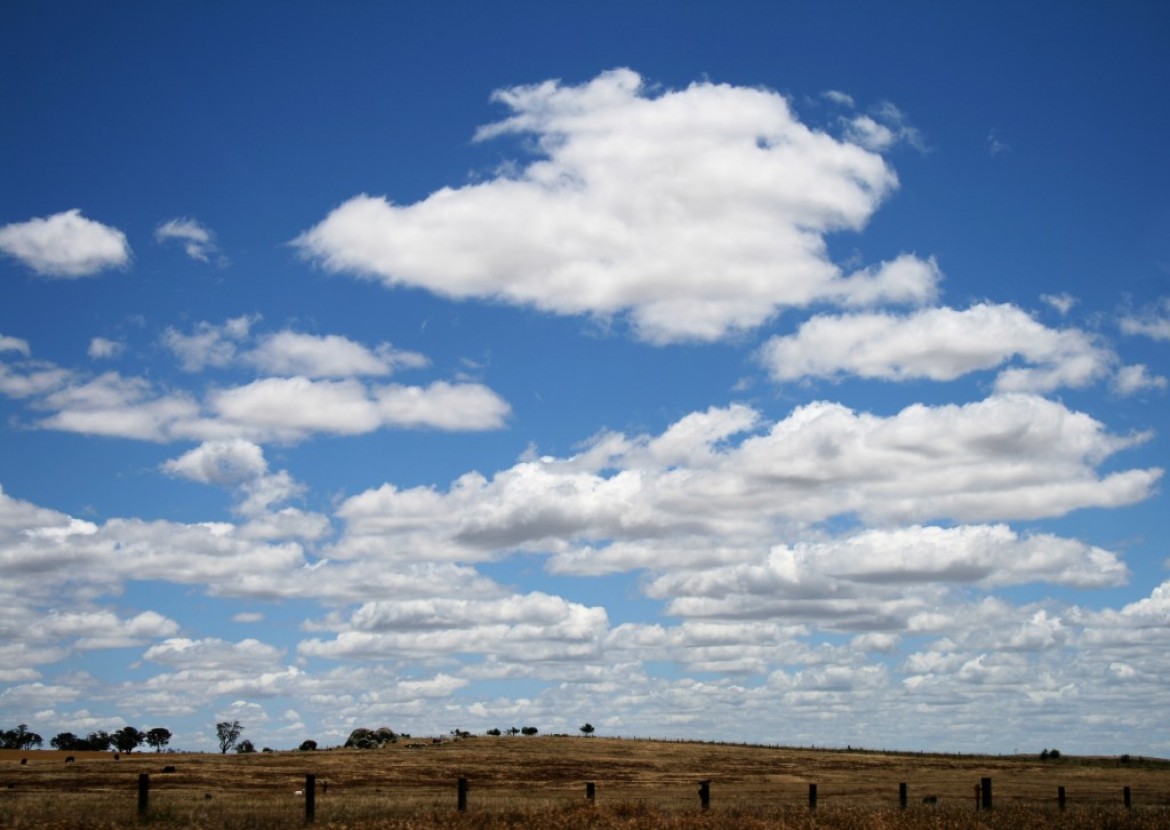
585,730
227,733
126,739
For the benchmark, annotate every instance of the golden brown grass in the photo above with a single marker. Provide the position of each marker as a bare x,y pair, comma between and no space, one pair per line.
540,782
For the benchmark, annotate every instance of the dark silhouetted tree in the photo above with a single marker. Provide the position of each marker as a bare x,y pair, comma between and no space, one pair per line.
158,738
98,741
587,729
308,746
245,747
529,730
19,738
227,733
128,739
65,740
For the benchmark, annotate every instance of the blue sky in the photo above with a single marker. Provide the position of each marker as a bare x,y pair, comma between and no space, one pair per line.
791,372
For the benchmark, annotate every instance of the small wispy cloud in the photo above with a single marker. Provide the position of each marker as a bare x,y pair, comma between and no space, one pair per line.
884,127
1062,302
837,97
1133,379
101,348
198,241
14,344
996,145
1152,322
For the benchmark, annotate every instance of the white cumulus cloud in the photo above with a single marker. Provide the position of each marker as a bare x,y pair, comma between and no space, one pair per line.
65,245
209,344
696,212
939,344
224,463
719,485
328,356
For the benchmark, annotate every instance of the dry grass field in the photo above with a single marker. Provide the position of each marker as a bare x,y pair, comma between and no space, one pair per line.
541,782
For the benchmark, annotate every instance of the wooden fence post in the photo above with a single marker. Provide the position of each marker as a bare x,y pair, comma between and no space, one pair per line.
310,798
978,797
902,796
705,794
1060,797
591,792
812,797
986,783
462,803
143,793
1125,794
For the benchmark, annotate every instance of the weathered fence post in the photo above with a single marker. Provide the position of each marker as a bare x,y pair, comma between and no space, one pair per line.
812,797
591,792
310,798
902,796
1125,795
705,794
143,793
462,804
1060,797
986,784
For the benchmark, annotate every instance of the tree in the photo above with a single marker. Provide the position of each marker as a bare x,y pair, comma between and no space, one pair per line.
227,732
587,729
158,738
529,730
65,740
308,746
245,747
128,739
98,741
19,738
495,733
513,731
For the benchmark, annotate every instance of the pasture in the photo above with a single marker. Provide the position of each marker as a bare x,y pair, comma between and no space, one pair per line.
541,782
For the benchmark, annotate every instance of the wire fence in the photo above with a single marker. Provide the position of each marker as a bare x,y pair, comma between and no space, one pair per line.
463,794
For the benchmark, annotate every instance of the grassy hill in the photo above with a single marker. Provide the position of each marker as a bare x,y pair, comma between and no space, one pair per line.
541,781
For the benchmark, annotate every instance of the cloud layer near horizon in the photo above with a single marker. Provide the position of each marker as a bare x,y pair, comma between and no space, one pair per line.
748,577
